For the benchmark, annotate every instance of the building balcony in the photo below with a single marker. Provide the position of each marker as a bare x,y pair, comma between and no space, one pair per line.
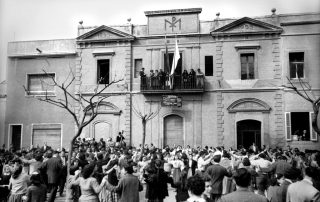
171,85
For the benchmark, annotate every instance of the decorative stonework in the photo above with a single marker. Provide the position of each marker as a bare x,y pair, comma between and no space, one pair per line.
220,116
276,59
173,11
246,26
219,78
249,105
279,138
104,34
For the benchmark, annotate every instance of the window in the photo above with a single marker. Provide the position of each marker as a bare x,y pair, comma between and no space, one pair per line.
40,84
296,62
247,66
49,133
137,67
103,76
299,126
208,62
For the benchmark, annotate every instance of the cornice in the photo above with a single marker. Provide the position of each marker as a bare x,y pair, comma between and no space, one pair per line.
173,11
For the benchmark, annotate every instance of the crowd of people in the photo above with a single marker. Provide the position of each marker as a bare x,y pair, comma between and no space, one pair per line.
159,79
108,171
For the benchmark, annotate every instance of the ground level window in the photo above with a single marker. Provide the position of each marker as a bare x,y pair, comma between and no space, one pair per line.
49,133
299,126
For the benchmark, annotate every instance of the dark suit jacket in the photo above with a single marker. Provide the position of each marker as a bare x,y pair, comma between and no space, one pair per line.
194,165
52,167
217,173
128,187
243,195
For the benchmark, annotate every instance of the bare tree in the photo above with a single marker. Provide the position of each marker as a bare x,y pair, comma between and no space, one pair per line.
145,117
83,109
305,91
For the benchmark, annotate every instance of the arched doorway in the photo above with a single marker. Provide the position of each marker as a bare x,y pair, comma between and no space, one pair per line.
173,130
248,132
102,130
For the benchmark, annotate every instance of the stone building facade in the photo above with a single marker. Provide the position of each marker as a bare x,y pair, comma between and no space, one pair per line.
245,62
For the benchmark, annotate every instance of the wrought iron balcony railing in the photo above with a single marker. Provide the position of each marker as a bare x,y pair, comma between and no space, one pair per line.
169,84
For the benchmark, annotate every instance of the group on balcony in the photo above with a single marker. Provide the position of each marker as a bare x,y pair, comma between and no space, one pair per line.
161,80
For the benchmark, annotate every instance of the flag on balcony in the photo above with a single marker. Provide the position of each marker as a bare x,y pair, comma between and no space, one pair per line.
176,58
166,56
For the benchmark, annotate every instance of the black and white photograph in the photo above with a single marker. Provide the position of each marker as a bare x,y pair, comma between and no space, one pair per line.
159,101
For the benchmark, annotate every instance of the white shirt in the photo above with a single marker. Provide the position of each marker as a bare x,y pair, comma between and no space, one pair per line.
202,163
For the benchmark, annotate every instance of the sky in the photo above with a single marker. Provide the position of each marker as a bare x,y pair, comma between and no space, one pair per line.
23,20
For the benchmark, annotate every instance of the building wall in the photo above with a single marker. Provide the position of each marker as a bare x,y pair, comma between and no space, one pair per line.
3,99
210,117
26,109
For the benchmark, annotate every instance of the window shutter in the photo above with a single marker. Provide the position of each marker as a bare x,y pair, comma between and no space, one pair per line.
313,134
288,126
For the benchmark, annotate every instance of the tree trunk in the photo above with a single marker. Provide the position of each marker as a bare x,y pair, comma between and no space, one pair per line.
315,125
143,135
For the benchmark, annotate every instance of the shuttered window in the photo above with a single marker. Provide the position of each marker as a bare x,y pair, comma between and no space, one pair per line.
173,130
41,83
49,133
288,126
137,67
247,66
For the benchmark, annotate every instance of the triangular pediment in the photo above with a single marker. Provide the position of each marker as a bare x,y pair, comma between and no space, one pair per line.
105,33
246,26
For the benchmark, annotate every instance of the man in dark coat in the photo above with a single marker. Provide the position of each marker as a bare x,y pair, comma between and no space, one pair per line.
217,173
52,167
242,178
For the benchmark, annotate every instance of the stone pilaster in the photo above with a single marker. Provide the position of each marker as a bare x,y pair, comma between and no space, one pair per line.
279,138
220,105
276,59
78,78
128,100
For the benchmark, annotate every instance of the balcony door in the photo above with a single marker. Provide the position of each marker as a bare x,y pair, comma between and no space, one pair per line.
173,130
178,70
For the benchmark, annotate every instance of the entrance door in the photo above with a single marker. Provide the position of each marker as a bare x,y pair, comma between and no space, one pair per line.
102,130
16,131
248,132
173,130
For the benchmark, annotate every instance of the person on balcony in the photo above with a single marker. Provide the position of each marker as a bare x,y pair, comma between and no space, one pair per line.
200,78
162,76
156,79
152,79
143,78
192,78
185,78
